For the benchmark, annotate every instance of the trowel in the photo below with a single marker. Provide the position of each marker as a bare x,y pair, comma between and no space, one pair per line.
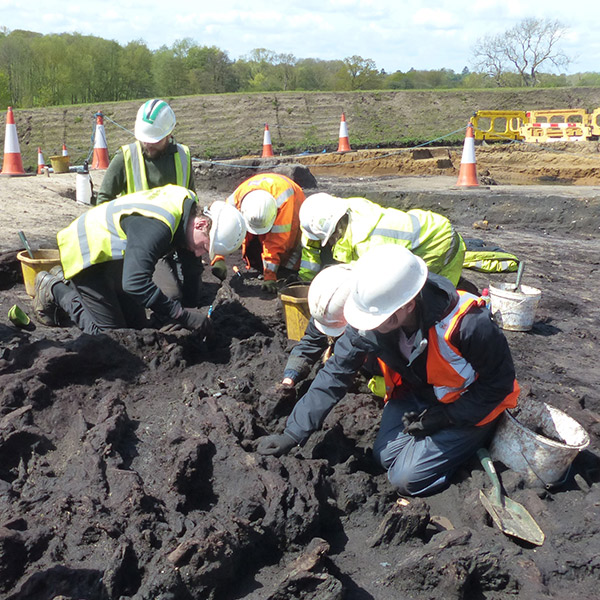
519,277
510,517
26,244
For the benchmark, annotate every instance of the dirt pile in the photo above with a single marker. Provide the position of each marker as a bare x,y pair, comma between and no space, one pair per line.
128,465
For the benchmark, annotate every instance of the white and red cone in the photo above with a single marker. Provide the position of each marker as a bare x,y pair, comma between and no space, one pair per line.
41,163
467,175
13,163
267,149
100,158
344,143
64,150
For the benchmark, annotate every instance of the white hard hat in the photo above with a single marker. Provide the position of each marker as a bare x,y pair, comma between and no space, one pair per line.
326,298
228,228
155,120
260,211
384,279
319,215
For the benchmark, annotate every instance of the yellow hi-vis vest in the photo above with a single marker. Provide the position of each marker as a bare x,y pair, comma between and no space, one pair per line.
135,167
427,234
96,236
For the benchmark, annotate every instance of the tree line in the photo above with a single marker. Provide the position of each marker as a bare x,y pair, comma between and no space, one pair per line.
70,68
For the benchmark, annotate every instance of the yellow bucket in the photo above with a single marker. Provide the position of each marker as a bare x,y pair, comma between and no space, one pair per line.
43,260
60,164
295,308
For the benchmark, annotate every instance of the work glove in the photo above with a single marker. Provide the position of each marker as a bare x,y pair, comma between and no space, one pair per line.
269,286
219,270
275,445
194,319
427,422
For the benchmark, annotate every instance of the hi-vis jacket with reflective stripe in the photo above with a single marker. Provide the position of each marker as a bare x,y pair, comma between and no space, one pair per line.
470,336
282,245
448,371
96,236
427,234
135,168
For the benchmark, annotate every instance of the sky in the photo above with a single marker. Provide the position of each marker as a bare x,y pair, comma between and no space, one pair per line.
397,34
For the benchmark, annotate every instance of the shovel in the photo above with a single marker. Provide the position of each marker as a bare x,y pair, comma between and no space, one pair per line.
511,517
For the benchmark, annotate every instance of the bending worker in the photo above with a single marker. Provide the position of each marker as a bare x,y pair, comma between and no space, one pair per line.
270,204
155,160
350,227
448,370
108,256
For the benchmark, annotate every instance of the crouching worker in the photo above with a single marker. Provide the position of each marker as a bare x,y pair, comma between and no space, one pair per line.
108,256
448,370
270,204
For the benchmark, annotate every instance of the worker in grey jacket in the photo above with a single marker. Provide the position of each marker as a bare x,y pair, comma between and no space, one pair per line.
448,371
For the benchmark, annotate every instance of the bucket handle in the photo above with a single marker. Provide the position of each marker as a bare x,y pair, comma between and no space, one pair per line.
547,486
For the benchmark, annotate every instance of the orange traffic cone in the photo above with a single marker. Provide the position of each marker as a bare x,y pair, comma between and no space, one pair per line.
100,158
41,163
64,150
13,163
467,175
344,145
267,146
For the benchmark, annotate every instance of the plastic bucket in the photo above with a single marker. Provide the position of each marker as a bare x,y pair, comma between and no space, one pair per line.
43,260
295,309
538,441
60,164
514,311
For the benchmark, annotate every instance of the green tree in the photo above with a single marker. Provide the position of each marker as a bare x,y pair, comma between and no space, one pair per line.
360,74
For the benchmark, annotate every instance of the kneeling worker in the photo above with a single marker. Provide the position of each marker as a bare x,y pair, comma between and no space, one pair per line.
109,253
448,370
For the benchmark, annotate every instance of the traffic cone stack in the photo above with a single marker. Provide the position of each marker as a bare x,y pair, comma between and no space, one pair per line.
13,163
467,175
267,146
64,150
344,145
41,163
100,158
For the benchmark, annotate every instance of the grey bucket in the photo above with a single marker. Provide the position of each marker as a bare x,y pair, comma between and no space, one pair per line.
527,441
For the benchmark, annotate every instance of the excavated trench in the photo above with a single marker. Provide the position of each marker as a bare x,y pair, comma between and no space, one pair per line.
128,466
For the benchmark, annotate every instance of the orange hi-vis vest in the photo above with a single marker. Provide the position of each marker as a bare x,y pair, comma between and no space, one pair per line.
448,371
281,245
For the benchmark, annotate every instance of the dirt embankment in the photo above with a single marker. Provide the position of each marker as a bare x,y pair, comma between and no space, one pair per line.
127,461
229,125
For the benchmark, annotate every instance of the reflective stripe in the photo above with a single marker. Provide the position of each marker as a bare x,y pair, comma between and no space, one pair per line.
397,234
270,266
454,246
287,193
294,256
181,165
281,228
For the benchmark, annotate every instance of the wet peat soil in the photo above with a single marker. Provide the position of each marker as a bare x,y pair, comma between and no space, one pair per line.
128,465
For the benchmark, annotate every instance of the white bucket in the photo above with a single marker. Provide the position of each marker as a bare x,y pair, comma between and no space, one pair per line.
512,310
538,441
83,188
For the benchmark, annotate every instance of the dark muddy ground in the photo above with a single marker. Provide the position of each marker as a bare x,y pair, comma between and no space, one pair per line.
128,465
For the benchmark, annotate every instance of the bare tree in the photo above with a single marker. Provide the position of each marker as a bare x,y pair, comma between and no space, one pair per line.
528,47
